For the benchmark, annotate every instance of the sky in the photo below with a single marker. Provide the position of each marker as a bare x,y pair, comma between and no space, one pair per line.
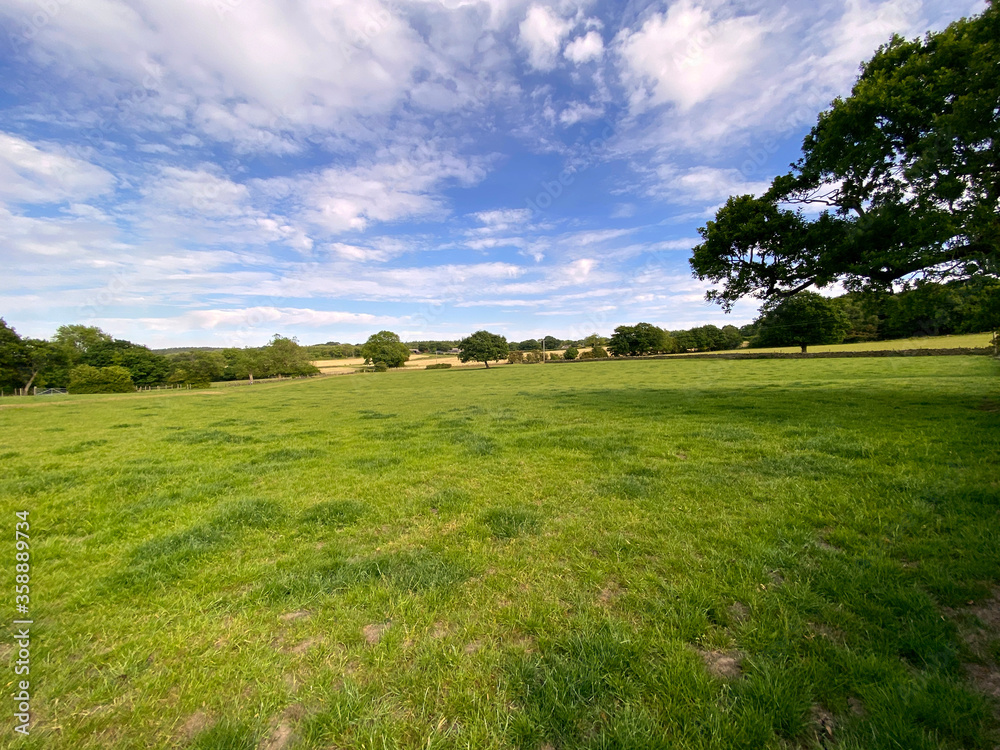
214,172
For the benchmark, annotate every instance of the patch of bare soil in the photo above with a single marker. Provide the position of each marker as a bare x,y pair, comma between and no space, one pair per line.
725,665
739,611
979,625
196,723
282,732
373,633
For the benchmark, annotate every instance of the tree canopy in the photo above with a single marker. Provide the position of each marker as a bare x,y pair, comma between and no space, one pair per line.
906,172
483,346
805,319
386,347
642,338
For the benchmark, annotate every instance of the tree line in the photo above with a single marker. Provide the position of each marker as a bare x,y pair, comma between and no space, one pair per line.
85,359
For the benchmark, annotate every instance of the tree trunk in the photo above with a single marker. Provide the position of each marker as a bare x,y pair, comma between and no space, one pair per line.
27,388
803,348
487,364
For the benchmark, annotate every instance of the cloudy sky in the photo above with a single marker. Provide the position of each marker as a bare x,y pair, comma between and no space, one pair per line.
212,172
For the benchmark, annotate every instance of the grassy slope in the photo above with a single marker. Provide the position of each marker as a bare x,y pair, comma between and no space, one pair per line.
959,341
544,555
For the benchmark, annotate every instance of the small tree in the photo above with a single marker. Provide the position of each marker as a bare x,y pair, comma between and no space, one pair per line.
571,353
802,320
385,346
483,346
88,379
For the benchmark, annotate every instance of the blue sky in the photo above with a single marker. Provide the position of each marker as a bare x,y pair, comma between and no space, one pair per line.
212,172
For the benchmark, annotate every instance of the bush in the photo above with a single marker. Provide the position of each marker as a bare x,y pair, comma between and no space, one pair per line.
87,379
571,353
515,357
381,367
439,366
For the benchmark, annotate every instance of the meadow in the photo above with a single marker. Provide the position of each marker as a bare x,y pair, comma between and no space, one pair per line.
659,554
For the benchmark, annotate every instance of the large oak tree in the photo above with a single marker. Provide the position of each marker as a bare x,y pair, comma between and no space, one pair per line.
905,173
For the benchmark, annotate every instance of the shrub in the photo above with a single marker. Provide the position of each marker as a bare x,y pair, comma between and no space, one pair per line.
439,366
87,379
571,353
381,367
515,357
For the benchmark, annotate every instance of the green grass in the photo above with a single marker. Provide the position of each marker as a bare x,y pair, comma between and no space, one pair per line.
958,341
522,557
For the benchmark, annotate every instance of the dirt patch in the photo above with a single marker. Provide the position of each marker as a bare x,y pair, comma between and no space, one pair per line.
441,629
726,665
776,578
301,648
739,611
289,616
609,594
195,724
282,732
856,707
978,625
373,633
836,635
823,723
473,647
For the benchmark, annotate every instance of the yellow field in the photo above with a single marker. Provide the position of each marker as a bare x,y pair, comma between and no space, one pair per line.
415,362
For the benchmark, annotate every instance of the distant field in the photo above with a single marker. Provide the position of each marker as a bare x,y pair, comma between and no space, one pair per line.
416,361
641,554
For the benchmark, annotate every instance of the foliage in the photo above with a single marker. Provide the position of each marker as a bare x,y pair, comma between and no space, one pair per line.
802,320
708,338
282,356
80,339
198,368
551,342
89,379
595,340
439,366
906,169
144,366
642,338
483,346
530,345
571,353
12,357
381,367
598,352
386,347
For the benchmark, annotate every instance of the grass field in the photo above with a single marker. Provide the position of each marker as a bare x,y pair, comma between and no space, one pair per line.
641,554
959,341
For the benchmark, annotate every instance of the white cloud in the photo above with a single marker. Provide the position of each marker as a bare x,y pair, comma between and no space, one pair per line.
503,218
399,186
578,111
704,185
685,57
585,48
541,35
31,173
